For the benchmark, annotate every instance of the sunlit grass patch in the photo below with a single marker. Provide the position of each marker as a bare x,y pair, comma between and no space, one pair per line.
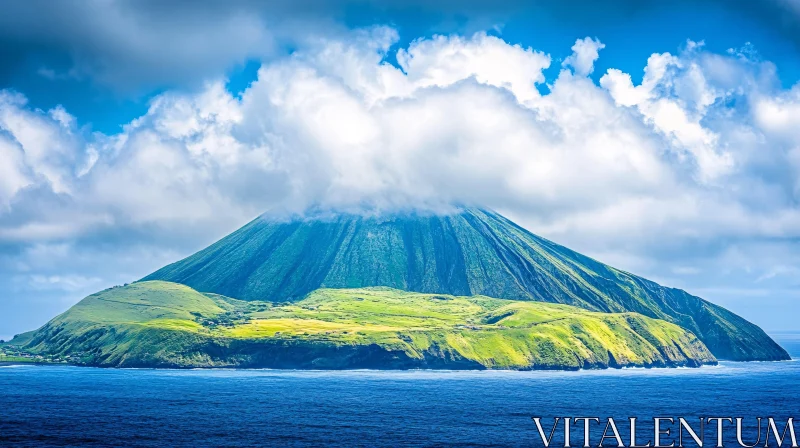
288,327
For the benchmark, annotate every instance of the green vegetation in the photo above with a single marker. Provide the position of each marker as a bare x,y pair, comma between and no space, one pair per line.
15,359
28,359
474,252
13,355
162,324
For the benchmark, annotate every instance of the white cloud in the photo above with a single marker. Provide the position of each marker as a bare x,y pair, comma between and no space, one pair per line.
698,158
584,53
49,149
780,114
443,61
673,97
12,169
458,120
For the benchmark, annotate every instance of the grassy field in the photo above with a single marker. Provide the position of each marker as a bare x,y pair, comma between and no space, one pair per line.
164,324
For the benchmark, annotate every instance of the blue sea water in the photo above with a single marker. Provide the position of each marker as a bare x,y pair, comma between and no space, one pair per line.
73,406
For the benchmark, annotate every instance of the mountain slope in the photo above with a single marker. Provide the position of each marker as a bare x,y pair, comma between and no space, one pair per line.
468,253
161,324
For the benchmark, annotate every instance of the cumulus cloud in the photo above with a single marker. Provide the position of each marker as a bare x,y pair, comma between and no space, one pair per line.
443,61
697,164
673,97
584,53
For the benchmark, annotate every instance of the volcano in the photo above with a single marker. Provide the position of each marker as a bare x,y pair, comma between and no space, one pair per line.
472,252
466,290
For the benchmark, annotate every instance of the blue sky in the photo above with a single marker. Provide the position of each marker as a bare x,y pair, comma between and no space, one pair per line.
134,133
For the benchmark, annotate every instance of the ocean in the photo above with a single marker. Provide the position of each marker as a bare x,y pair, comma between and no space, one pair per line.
76,406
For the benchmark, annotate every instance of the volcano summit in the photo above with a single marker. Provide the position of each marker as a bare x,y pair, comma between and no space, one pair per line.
466,290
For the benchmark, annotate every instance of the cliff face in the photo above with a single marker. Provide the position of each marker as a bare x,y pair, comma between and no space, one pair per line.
468,253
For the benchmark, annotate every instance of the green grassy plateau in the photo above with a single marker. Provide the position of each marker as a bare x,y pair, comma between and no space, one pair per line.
473,252
162,324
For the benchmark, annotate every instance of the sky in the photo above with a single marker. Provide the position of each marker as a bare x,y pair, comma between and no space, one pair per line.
662,138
